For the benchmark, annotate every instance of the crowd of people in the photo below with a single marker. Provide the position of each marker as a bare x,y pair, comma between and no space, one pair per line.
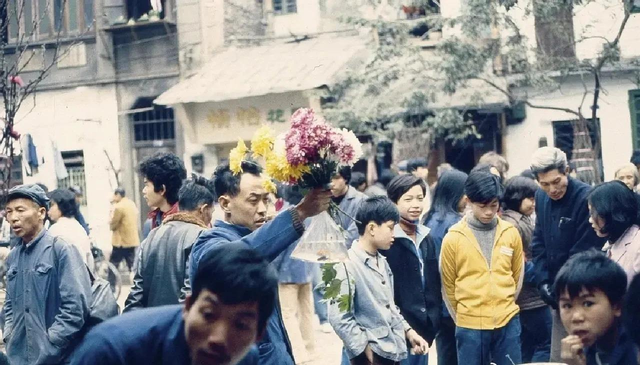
538,267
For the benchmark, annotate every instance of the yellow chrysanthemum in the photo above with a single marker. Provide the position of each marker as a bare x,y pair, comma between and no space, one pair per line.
269,185
279,168
262,142
236,156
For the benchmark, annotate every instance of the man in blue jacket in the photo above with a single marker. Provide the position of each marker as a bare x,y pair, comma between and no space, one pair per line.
562,227
244,201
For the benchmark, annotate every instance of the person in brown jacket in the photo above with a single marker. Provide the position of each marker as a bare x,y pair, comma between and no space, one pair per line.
535,317
124,226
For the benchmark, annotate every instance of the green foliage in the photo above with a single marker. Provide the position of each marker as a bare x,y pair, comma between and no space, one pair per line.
332,287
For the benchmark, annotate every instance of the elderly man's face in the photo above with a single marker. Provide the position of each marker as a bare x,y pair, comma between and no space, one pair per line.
249,207
26,218
554,183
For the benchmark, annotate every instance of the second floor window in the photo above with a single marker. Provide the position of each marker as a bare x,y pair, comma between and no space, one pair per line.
36,20
285,6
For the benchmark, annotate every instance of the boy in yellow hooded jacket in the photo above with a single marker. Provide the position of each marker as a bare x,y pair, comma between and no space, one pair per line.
482,267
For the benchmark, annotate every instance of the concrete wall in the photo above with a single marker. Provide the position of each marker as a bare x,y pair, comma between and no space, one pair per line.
615,123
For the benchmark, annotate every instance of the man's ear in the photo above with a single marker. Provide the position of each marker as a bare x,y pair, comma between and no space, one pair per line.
188,303
163,191
617,310
370,229
42,213
224,202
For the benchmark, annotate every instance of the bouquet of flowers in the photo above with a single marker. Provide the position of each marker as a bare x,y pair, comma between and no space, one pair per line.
308,155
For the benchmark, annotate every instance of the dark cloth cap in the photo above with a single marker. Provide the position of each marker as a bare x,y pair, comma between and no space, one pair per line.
30,191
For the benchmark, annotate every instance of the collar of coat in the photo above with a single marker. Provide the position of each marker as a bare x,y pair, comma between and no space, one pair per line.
186,217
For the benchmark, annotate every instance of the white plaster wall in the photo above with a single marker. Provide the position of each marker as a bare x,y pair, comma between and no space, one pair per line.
615,124
305,21
83,118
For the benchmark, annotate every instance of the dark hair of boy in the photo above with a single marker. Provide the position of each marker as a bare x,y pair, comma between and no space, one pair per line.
617,205
377,209
120,191
631,310
517,189
345,173
385,177
238,274
414,163
635,157
448,193
357,179
195,193
66,202
227,183
483,187
403,183
163,168
591,270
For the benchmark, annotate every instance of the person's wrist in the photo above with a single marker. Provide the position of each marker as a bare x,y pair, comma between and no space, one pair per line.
297,219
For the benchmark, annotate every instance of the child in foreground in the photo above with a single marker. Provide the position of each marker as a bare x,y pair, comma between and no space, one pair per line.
591,289
372,329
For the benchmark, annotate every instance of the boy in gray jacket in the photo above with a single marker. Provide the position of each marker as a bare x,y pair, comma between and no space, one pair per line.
371,327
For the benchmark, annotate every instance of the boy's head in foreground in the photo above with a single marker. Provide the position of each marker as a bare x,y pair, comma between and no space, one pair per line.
484,192
375,220
590,288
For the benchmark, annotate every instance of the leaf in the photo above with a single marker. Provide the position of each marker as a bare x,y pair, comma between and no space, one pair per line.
332,291
344,303
328,273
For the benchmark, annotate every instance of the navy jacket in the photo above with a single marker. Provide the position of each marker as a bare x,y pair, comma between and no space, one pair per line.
624,353
147,336
420,304
270,240
562,229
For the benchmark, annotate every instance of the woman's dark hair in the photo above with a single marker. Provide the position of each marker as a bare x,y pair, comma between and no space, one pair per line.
378,209
591,270
517,189
166,169
403,183
357,179
227,183
483,187
66,202
448,193
238,274
630,312
617,205
196,192
385,177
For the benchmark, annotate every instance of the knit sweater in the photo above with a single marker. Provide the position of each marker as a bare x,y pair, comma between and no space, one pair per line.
485,233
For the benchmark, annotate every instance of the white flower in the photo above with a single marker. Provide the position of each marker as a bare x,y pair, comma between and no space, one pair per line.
351,139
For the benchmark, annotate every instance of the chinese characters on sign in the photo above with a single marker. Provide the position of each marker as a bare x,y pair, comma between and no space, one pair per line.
251,116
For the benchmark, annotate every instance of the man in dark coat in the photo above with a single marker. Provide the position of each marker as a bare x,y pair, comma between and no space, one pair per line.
562,227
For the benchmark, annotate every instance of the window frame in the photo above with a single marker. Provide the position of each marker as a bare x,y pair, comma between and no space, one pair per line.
35,34
285,5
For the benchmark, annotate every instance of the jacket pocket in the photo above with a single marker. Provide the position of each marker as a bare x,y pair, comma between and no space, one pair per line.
12,274
42,278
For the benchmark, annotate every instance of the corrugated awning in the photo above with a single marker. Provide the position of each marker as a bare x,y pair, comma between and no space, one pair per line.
268,69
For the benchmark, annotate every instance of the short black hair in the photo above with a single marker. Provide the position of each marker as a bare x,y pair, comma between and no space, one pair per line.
196,192
227,183
635,157
403,183
357,179
483,187
66,202
238,274
591,270
163,168
345,173
415,163
378,209
517,189
385,177
631,310
617,205
120,191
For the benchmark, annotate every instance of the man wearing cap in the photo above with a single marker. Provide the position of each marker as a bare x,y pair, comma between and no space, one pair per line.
48,286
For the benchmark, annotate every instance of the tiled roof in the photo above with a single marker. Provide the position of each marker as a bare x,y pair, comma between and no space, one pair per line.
268,69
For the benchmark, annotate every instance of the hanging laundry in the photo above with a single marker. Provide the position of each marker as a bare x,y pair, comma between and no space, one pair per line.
58,163
29,155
